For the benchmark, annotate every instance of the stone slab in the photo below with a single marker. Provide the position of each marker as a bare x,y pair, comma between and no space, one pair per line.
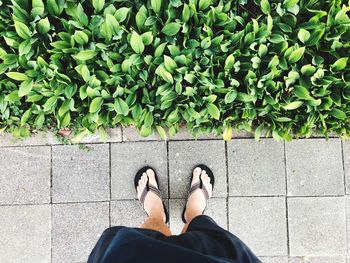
256,168
36,139
25,175
314,167
216,209
80,174
184,155
132,134
261,223
127,213
335,259
317,226
128,158
274,259
76,228
114,135
25,234
346,155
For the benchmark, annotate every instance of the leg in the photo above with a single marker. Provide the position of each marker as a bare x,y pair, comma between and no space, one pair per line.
153,205
196,202
156,224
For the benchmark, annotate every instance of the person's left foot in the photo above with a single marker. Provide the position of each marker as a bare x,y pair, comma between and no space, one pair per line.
153,203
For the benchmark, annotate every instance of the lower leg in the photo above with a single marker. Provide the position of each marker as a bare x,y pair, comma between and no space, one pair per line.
157,224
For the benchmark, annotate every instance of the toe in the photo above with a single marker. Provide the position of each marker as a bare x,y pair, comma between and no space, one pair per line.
152,177
150,172
196,174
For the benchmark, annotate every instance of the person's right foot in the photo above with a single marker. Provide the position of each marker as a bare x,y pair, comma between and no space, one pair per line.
197,202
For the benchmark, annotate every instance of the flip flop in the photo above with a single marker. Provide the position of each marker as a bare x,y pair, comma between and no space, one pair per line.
149,188
199,185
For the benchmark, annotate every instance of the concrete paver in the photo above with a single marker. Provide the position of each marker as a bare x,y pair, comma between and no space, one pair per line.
335,259
25,175
80,174
25,234
256,168
261,223
317,226
76,229
314,167
184,155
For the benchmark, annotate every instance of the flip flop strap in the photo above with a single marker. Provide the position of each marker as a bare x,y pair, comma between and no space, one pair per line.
149,188
203,188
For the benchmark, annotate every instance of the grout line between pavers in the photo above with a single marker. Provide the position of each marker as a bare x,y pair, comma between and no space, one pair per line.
227,187
168,169
51,214
122,133
286,196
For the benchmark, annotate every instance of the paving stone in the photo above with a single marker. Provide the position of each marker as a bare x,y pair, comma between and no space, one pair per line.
131,134
80,174
347,200
127,213
317,226
216,209
346,154
336,259
261,223
185,134
25,175
256,168
25,234
128,158
184,155
314,167
76,229
274,259
40,138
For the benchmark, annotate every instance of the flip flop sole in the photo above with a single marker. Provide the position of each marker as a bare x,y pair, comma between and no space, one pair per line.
136,183
212,181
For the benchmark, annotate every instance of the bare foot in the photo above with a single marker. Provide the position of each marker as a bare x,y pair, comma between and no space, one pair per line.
196,202
153,203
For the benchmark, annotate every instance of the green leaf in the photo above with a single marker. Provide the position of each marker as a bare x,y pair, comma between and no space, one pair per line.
229,62
98,5
25,87
203,4
296,55
121,14
289,3
83,71
293,105
156,5
265,7
171,29
64,107
170,64
308,70
81,37
303,35
37,8
25,117
213,111
17,76
230,96
141,17
165,75
147,38
22,30
121,107
137,43
50,103
159,50
86,54
161,132
186,13
43,25
96,104
340,64
339,114
301,92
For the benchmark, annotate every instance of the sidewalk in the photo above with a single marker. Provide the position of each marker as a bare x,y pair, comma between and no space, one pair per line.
287,201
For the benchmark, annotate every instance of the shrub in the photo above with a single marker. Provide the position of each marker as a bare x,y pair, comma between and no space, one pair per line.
209,65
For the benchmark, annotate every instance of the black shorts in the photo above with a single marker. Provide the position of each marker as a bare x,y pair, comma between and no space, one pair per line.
203,236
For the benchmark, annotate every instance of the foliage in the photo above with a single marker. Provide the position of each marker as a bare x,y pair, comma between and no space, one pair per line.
263,65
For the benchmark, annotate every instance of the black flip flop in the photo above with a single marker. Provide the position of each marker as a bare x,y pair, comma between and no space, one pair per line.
149,187
199,185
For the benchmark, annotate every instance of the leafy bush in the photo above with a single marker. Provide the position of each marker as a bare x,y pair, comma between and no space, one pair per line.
262,65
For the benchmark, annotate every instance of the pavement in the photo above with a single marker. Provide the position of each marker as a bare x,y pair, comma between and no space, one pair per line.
288,201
